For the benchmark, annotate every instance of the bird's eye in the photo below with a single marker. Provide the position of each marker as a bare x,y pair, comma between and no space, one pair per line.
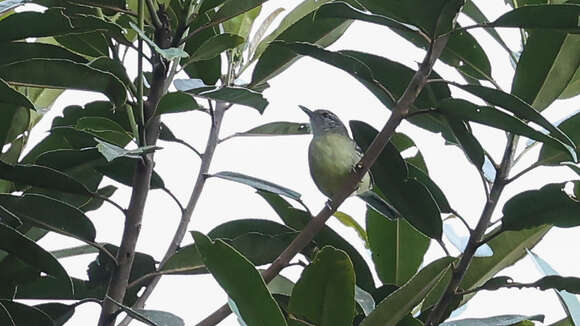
326,115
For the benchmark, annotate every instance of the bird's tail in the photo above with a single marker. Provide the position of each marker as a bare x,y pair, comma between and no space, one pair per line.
379,205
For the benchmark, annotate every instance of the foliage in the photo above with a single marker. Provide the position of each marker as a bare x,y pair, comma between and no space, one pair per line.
82,45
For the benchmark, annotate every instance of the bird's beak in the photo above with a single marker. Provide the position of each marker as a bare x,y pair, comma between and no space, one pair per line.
306,110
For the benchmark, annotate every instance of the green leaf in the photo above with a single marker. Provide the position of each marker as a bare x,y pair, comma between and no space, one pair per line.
568,284
492,117
569,301
546,66
50,214
297,220
113,67
436,192
43,177
212,47
550,155
20,26
397,248
299,25
518,107
350,222
259,34
169,54
241,281
235,95
258,184
278,128
503,320
399,303
324,294
10,96
122,170
32,254
176,102
210,70
390,174
111,152
554,16
548,205
74,251
42,73
22,314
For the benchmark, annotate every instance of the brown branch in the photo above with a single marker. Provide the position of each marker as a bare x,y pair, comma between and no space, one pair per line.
399,112
475,239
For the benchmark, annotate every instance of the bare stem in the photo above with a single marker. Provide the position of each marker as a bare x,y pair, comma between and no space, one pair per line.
475,239
399,112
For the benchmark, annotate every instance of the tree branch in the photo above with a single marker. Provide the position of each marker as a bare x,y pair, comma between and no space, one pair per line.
399,112
475,239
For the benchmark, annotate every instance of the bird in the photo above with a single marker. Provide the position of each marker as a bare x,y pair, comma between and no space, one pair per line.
332,156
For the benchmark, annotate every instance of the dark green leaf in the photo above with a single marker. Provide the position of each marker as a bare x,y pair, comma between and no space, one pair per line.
112,66
58,312
472,11
27,24
32,254
503,320
299,25
210,70
14,121
324,294
43,177
518,107
89,44
22,314
258,184
104,128
568,284
548,205
50,214
47,288
467,141
42,72
241,281
391,178
399,303
10,96
569,301
161,318
554,16
492,117
341,9
176,102
573,87
397,248
233,8
122,170
546,66
185,260
214,46
297,219
74,251
436,192
403,142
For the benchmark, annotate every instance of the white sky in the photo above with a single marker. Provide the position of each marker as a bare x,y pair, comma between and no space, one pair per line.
282,160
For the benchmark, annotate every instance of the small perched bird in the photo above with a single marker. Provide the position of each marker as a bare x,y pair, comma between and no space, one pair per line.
332,156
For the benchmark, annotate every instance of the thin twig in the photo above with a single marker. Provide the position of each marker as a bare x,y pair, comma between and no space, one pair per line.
167,191
317,223
110,201
154,18
456,214
524,171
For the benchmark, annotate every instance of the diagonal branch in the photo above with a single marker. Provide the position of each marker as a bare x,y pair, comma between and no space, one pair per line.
399,112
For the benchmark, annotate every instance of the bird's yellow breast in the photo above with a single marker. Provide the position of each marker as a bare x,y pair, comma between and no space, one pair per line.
332,157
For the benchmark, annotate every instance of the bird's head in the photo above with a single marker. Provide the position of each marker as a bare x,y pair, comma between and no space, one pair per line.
324,121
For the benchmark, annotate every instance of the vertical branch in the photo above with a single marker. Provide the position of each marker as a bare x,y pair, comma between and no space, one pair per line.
475,239
149,133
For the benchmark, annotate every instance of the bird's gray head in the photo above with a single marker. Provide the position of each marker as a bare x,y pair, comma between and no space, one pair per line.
324,121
